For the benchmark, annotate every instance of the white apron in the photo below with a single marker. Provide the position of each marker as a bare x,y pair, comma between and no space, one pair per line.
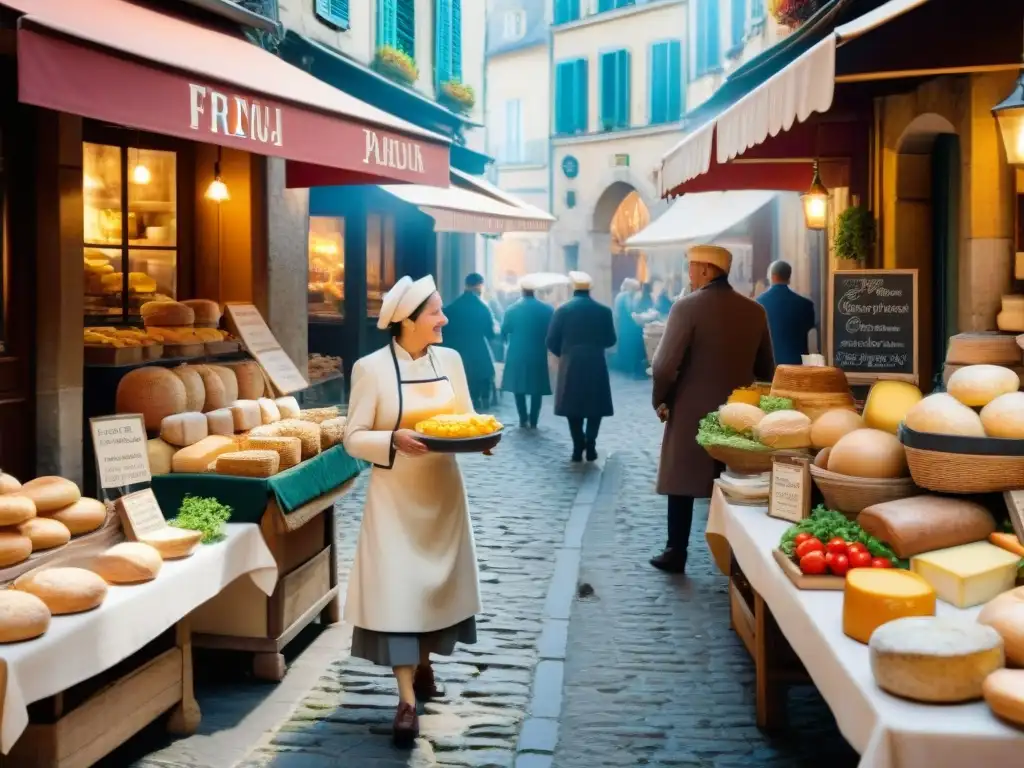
415,568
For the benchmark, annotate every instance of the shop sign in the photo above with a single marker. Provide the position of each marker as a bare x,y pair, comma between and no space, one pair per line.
389,152
234,115
122,459
873,324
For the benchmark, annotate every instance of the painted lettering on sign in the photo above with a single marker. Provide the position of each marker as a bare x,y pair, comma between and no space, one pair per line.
234,115
399,154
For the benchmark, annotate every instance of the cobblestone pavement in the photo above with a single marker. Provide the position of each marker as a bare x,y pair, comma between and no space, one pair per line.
653,674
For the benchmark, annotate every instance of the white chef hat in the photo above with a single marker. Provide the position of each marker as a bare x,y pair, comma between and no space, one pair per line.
402,300
528,283
580,281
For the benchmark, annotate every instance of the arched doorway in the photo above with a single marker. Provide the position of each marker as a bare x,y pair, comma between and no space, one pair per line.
926,235
619,214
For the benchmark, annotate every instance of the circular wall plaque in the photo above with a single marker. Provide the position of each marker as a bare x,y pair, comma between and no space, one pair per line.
570,167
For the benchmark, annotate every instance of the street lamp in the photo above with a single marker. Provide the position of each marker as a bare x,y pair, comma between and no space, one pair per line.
815,202
1010,114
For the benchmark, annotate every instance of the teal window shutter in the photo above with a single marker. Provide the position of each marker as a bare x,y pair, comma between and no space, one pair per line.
566,11
622,100
563,98
443,42
714,35
675,81
605,5
666,81
615,90
708,37
756,9
607,80
456,47
387,23
334,12
580,100
738,21
405,27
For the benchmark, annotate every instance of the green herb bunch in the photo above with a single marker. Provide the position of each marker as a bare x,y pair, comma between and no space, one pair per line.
771,403
826,524
206,515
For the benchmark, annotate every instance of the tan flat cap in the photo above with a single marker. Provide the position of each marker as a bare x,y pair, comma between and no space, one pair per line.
580,281
711,254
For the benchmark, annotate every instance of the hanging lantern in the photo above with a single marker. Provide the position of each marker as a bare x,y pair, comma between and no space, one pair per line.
218,190
1010,115
815,202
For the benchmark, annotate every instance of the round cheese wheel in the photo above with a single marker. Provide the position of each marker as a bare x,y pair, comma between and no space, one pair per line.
216,395
230,381
14,548
50,493
784,429
173,543
1004,693
84,516
943,414
15,509
934,660
152,391
832,425
45,533
740,417
8,483
978,385
821,459
1005,614
64,590
130,562
868,453
250,380
195,393
887,404
22,616
1004,416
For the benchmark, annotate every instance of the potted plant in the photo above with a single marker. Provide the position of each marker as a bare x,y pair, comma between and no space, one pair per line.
854,238
457,96
794,13
396,65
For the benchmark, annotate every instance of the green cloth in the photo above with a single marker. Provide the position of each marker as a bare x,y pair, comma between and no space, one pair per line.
248,496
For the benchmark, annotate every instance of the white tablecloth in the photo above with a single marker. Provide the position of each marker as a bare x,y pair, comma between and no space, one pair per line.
82,645
888,732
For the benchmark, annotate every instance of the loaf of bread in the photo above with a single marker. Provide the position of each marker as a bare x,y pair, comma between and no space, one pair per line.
166,314
14,548
64,590
84,516
204,312
15,509
22,616
45,533
228,379
332,432
50,493
250,379
195,392
130,562
926,523
9,483
319,415
172,543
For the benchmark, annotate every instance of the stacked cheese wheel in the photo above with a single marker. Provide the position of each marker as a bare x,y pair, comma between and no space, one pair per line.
205,412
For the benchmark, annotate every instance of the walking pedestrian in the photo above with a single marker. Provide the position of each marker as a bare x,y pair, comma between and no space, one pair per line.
715,341
471,327
413,589
526,366
629,351
581,330
790,315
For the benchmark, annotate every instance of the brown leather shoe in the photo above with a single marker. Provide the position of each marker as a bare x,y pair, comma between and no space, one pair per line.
424,685
406,727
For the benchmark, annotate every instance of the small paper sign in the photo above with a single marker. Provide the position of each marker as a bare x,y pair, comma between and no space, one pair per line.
790,495
140,514
1015,506
120,446
254,332
282,371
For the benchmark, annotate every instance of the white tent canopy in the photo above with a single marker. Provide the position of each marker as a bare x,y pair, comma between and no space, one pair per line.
699,217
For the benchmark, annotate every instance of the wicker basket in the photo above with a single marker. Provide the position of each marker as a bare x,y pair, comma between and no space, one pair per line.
652,338
957,464
739,461
850,495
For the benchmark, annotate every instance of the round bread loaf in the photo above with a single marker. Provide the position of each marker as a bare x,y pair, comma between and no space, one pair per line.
173,543
216,396
249,377
152,391
195,393
64,590
84,516
50,493
15,509
22,616
14,548
205,312
868,453
1005,614
1004,416
739,417
167,314
828,428
230,381
45,533
130,562
8,483
784,429
1004,693
943,414
978,385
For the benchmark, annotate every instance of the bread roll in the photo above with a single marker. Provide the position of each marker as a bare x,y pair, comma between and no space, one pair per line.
784,429
205,312
978,385
45,533
14,548
740,417
15,509
173,543
1004,693
1005,614
50,493
1004,416
943,414
868,453
130,562
64,590
167,314
22,616
8,483
828,428
84,516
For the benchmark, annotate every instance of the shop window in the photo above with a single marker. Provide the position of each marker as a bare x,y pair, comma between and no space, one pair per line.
130,226
326,291
380,260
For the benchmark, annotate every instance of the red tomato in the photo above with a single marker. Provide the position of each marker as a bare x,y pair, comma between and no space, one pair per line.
837,545
855,546
811,545
881,562
840,565
860,558
813,563
801,538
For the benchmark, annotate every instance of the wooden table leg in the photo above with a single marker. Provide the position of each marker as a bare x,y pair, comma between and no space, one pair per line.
185,717
770,689
331,614
270,667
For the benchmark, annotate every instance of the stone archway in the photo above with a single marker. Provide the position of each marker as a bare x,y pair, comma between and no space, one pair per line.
608,203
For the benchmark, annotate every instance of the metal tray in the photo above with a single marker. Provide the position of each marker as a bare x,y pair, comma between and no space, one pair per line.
461,444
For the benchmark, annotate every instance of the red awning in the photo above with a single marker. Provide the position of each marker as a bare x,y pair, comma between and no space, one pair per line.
120,62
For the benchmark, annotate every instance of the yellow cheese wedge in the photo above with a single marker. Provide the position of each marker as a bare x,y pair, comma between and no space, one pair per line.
968,575
875,596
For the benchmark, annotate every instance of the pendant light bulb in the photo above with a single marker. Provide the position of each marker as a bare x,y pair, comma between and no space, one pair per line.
218,190
141,174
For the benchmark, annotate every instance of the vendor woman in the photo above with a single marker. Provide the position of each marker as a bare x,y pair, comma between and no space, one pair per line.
414,587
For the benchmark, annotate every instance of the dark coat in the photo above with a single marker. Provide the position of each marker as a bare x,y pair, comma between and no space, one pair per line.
581,331
715,341
526,364
470,328
790,318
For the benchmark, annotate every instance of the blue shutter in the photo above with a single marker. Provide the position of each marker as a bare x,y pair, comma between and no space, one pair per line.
513,131
714,33
405,27
334,12
622,71
658,83
566,11
443,42
615,90
387,23
456,71
675,81
738,20
605,5
581,99
563,105
607,80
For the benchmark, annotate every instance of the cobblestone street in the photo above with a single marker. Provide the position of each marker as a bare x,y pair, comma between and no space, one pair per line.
644,671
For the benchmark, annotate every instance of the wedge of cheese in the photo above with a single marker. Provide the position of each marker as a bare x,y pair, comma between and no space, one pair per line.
197,457
968,575
875,596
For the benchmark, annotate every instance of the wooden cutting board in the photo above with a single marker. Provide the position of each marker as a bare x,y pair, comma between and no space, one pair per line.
802,580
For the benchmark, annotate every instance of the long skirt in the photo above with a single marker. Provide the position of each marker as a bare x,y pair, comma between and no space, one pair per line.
392,649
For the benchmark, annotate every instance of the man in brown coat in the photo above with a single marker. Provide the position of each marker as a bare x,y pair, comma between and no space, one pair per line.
715,341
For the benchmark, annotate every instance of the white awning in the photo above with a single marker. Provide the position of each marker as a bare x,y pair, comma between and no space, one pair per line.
485,210
805,86
699,217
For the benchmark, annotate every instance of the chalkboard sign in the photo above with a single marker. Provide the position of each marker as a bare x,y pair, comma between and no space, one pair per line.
873,324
